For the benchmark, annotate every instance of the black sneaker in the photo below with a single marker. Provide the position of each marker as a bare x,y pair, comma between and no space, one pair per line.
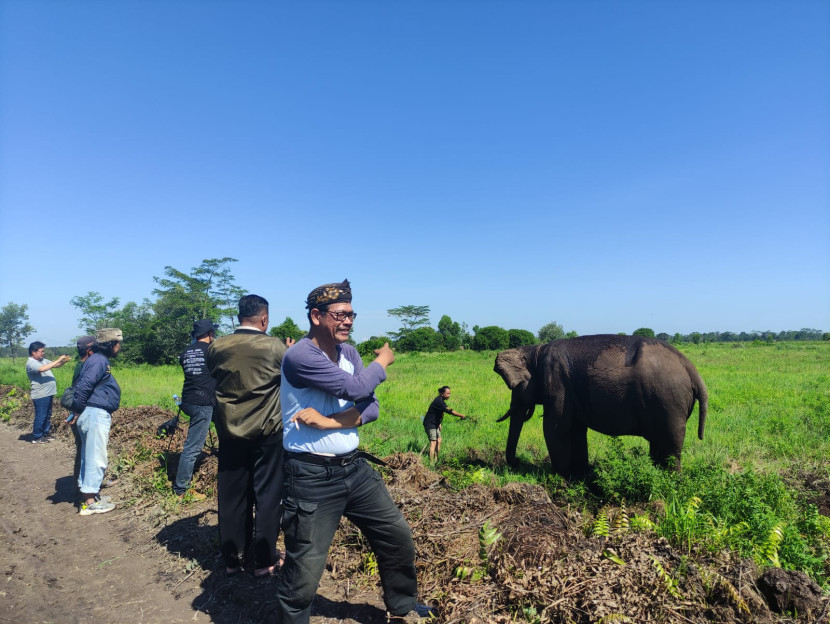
420,613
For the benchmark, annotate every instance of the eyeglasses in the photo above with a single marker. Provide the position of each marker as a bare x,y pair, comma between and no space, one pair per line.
341,316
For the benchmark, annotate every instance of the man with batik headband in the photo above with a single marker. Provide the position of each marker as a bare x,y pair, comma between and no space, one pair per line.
327,393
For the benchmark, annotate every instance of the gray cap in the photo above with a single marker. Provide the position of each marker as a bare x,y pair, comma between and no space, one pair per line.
109,334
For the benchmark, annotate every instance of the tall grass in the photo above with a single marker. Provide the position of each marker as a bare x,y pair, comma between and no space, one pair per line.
140,385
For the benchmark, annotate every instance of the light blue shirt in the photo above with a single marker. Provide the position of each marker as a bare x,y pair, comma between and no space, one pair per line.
311,379
301,438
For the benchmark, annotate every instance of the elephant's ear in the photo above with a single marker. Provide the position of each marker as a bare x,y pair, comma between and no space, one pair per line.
512,366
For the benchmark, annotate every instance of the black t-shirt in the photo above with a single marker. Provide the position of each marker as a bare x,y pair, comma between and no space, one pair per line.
435,413
199,387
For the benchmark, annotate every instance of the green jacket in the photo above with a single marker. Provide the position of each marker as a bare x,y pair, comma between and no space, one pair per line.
247,367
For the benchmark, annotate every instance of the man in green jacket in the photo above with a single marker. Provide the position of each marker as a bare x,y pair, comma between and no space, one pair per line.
247,368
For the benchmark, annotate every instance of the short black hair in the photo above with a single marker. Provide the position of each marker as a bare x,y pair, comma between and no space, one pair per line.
442,388
252,305
37,344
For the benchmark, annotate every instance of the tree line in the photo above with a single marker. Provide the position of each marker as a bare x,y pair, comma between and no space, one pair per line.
155,331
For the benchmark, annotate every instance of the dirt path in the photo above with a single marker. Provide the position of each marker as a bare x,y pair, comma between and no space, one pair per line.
62,567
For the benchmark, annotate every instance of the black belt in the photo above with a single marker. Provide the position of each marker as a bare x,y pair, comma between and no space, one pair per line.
333,460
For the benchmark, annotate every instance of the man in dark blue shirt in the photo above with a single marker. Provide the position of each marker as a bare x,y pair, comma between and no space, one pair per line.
198,399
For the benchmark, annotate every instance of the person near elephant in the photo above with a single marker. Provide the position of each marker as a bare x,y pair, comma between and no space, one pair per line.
43,389
198,401
97,395
328,394
613,384
434,419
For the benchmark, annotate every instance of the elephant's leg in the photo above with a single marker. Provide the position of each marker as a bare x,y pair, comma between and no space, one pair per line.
558,441
579,450
666,443
517,422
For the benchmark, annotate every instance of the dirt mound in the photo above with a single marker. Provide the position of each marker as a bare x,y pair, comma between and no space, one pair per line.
484,553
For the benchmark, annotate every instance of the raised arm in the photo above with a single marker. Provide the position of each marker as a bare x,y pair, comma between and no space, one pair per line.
316,370
56,364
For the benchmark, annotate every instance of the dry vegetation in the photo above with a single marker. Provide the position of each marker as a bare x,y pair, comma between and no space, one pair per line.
485,554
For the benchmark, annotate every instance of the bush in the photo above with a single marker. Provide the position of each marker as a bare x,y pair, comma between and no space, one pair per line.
520,338
287,329
367,348
421,339
550,332
625,475
491,338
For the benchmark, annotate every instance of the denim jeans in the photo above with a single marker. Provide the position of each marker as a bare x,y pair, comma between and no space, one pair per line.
76,466
200,416
43,417
315,498
94,427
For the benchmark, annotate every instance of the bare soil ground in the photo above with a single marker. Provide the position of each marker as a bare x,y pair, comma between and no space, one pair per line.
155,560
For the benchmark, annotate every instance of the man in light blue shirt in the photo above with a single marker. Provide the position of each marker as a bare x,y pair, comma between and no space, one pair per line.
327,394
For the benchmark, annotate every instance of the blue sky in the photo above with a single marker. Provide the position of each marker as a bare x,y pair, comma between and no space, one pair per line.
605,165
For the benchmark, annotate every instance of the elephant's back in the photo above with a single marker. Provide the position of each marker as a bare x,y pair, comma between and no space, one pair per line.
631,371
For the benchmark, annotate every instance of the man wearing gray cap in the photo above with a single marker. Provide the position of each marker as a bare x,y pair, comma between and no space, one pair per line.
198,399
97,395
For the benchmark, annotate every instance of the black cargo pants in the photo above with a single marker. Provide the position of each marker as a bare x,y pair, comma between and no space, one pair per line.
315,497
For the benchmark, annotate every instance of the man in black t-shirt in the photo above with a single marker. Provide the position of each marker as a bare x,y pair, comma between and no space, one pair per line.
434,418
198,400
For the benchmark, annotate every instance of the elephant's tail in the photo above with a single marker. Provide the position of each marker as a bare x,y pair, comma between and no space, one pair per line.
703,406
702,396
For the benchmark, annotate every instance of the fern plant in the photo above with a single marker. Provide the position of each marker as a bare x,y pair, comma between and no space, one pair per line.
769,549
713,579
621,521
487,537
669,583
601,526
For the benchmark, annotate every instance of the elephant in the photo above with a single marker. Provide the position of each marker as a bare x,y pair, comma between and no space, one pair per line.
613,384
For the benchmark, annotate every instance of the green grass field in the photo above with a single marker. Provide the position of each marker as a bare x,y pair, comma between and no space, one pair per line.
767,434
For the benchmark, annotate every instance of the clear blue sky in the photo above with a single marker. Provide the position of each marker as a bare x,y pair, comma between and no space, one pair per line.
605,165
